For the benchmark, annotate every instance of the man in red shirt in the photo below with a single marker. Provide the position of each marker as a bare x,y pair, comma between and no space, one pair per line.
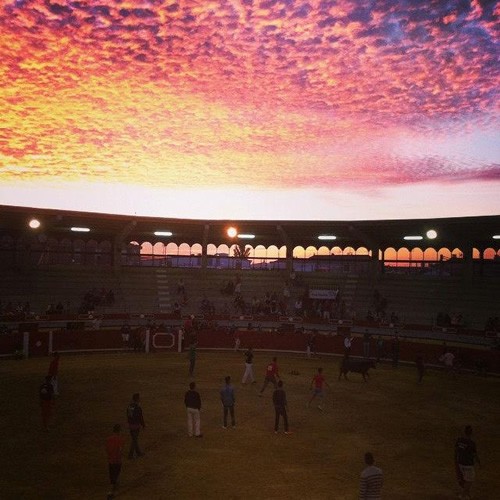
114,450
317,384
272,375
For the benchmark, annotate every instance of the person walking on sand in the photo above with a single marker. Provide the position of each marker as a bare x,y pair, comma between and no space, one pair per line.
228,399
114,450
371,480
135,420
280,408
192,401
272,375
248,376
465,457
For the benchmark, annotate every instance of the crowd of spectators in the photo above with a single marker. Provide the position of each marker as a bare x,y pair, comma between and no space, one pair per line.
96,298
446,320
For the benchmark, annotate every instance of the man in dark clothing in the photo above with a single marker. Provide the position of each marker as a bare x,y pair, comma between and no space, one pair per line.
465,456
192,401
228,399
46,394
135,420
280,406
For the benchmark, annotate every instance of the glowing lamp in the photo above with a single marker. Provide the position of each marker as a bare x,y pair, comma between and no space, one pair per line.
34,224
232,232
431,234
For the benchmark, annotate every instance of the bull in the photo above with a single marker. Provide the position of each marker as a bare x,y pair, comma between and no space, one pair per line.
357,366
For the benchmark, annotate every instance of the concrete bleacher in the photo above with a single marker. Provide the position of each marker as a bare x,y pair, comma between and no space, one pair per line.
418,299
65,284
415,299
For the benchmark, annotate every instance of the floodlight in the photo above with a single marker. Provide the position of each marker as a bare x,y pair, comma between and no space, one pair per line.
34,224
327,237
232,232
163,233
413,238
246,236
496,236
80,229
431,234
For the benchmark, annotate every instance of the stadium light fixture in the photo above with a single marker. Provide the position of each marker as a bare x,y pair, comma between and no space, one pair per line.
246,236
163,233
80,229
34,223
431,234
496,236
413,238
328,237
232,232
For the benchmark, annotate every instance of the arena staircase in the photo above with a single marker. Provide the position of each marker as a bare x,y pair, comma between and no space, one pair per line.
163,285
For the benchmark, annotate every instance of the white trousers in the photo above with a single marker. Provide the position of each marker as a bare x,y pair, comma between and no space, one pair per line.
193,418
248,375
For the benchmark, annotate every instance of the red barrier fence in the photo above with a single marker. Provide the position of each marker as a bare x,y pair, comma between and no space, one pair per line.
43,343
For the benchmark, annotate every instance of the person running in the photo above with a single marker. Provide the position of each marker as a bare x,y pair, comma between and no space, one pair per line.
272,375
465,457
280,408
248,375
135,420
371,480
317,385
114,450
228,399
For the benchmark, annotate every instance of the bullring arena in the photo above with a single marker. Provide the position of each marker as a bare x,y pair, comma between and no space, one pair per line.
122,305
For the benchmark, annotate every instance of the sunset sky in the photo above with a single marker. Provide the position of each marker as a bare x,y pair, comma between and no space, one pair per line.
249,109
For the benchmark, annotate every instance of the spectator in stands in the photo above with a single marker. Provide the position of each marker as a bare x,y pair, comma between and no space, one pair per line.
298,307
176,312
394,318
371,480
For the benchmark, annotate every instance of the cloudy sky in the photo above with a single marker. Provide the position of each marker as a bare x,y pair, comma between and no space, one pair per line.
291,109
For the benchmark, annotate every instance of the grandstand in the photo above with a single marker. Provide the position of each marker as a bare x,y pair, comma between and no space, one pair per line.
52,265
